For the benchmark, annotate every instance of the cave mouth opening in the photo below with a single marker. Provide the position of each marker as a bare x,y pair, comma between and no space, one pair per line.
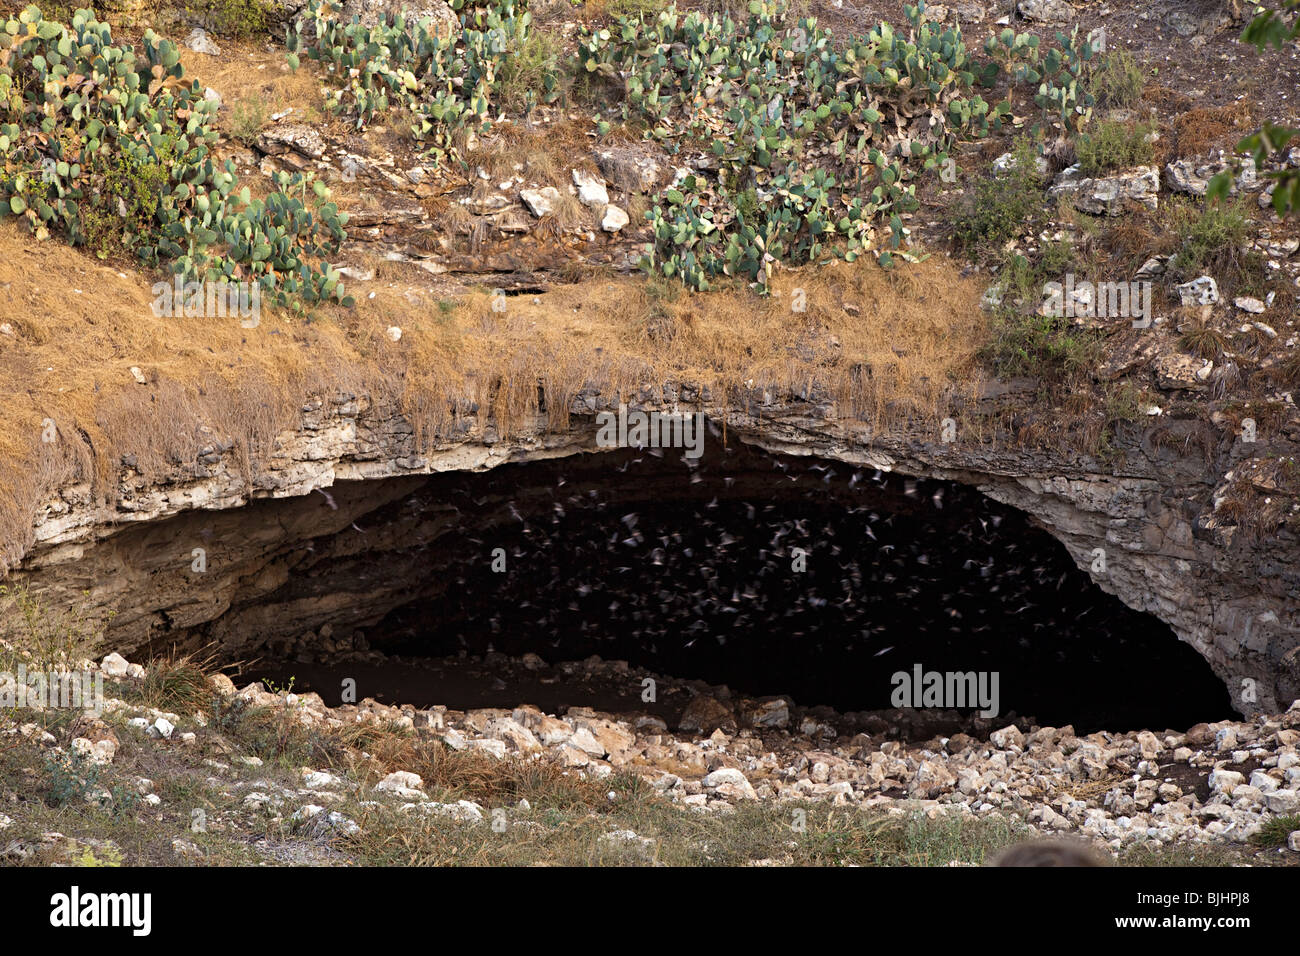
773,575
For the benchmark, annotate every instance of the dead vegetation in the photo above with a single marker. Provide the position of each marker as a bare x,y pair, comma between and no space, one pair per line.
1200,130
885,345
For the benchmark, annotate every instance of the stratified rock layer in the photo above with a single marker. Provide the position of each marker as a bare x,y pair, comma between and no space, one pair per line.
1147,534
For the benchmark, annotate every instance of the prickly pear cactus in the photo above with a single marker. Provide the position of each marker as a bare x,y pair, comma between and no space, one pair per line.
112,147
448,84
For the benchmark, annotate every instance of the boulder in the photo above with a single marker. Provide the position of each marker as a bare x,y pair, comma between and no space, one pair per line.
200,42
1193,176
591,189
540,202
614,219
1109,194
114,665
1046,11
705,714
1202,290
631,168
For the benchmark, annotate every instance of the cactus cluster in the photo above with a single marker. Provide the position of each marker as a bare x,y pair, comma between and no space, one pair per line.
447,83
776,83
97,138
829,135
1059,75
1063,91
793,221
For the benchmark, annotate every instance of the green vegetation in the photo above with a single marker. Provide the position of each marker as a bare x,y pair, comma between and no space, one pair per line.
1210,240
247,119
1111,145
634,8
1271,26
231,18
530,65
612,835
1045,347
72,778
113,149
1015,54
1117,82
759,93
1022,279
1062,74
1002,204
764,91
107,856
1274,831
450,85
75,779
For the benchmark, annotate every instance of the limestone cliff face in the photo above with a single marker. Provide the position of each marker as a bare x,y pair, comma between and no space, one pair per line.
296,540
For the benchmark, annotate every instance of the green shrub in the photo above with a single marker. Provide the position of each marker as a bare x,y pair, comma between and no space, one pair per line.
108,856
1064,94
1023,279
1002,205
1118,81
531,59
747,205
232,18
634,8
1048,348
774,85
138,186
1112,145
1058,257
1276,831
449,85
72,776
1210,241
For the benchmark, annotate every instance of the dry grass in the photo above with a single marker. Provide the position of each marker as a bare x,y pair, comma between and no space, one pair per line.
179,683
81,326
546,153
475,776
1199,130
1287,372
914,332
1165,98
907,337
1203,340
253,71
1135,239
569,214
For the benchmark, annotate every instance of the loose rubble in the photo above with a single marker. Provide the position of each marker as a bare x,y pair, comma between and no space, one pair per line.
1212,783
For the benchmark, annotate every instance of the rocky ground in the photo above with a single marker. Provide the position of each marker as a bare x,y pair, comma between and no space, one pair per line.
369,781
546,199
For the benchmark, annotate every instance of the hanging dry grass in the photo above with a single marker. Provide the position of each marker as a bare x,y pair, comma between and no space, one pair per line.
883,346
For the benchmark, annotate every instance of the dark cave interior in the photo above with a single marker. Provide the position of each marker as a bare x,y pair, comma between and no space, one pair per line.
778,575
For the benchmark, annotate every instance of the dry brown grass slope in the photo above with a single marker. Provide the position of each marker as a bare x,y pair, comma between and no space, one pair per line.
81,325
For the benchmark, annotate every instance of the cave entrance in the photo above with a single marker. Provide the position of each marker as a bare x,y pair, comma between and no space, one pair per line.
770,574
